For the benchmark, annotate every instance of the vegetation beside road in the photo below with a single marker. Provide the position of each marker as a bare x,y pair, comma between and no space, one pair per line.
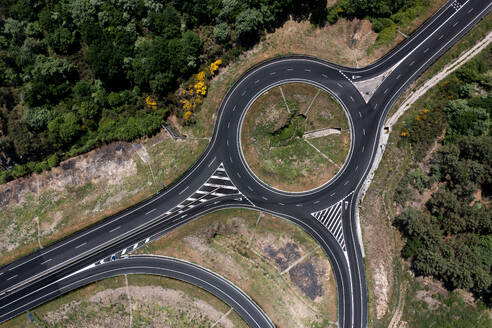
77,75
394,292
155,301
273,137
275,262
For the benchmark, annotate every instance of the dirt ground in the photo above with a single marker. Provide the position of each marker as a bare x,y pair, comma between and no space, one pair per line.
274,262
87,188
297,166
155,302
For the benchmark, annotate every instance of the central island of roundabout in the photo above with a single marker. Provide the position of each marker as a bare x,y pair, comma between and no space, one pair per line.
295,137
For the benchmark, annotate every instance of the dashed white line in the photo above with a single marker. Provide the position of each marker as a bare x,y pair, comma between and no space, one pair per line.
264,197
324,75
364,131
427,49
290,69
299,205
152,210
399,75
441,36
352,98
316,202
385,91
363,147
346,183
211,162
234,108
227,142
244,92
230,159
469,11
357,167
341,86
46,261
80,245
307,70
332,194
282,204
456,23
12,277
360,114
256,82
413,62
239,175
250,189
273,73
182,191
114,229
229,124
183,216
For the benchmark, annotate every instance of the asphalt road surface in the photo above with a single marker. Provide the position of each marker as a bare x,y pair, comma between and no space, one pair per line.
222,179
191,273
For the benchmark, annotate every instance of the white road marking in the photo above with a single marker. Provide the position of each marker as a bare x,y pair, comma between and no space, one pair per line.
213,160
352,98
228,124
357,167
456,23
250,189
385,91
332,194
427,49
290,69
307,70
184,215
299,205
399,75
441,36
413,62
273,73
182,191
233,109
152,210
264,197
244,92
227,142
364,131
208,184
230,159
324,75
469,11
239,175
346,183
341,86
363,147
114,229
46,261
316,202
360,114
80,245
220,178
256,82
282,204
11,277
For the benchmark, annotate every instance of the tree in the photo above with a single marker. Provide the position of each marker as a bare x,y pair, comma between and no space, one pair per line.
221,32
248,24
62,40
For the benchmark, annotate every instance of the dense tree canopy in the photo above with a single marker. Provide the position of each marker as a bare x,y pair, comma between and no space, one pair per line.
451,238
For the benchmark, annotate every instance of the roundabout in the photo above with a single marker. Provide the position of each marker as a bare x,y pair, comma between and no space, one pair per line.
223,178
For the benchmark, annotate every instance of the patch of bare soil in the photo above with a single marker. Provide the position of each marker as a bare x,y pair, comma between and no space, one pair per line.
284,255
305,275
108,163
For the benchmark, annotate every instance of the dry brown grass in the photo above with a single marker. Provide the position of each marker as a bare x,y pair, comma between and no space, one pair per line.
228,243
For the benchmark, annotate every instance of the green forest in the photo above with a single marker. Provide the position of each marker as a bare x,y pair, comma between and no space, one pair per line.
450,238
75,74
